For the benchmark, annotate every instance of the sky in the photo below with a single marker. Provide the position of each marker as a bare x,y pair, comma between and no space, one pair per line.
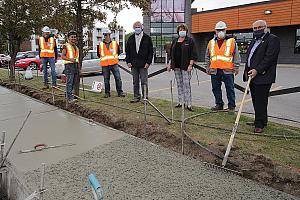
127,17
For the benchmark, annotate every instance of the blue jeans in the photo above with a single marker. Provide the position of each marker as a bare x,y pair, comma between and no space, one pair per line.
106,74
216,81
51,62
72,73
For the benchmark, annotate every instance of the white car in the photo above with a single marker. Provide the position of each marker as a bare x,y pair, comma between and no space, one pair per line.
90,64
4,59
122,56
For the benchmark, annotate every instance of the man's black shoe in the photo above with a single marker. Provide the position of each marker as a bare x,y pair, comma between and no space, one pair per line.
232,109
252,124
135,100
217,107
106,95
121,94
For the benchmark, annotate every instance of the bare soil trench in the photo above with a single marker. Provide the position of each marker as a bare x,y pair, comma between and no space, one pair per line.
255,167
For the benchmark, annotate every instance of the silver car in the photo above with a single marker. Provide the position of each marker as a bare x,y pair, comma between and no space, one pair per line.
90,64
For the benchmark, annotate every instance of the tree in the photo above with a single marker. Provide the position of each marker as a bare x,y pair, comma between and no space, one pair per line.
18,20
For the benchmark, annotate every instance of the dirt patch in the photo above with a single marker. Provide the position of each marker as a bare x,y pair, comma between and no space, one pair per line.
255,167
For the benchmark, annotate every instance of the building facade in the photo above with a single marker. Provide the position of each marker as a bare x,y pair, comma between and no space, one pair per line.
282,17
162,21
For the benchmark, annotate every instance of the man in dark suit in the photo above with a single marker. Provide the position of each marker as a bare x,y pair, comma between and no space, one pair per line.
139,54
262,56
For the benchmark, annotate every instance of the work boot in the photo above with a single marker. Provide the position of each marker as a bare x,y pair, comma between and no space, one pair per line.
217,107
46,86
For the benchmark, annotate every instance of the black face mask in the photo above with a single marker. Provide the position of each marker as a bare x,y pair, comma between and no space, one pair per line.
258,33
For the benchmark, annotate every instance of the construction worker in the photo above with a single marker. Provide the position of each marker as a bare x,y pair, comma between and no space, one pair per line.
108,51
48,54
222,61
70,55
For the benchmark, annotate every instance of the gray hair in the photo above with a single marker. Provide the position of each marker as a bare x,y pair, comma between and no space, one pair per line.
137,23
261,22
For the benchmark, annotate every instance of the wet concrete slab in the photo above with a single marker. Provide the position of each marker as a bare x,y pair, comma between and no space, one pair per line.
51,126
128,167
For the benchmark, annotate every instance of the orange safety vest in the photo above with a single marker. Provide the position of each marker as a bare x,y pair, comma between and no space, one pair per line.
71,53
108,56
221,58
47,48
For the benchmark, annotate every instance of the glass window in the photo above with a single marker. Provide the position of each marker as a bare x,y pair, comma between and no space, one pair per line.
155,17
179,5
297,43
94,55
156,25
178,17
88,56
243,41
165,16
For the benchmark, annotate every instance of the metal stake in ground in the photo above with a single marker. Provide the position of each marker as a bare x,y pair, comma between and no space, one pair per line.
82,87
236,124
145,112
52,92
172,109
2,143
42,182
15,139
182,128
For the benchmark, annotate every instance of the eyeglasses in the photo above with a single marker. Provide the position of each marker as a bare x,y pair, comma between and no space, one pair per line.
258,27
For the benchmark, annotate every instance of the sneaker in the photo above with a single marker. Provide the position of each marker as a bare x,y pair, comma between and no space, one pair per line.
217,107
189,108
135,100
121,94
178,105
106,95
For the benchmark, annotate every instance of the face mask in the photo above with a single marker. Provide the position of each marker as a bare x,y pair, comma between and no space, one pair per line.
182,33
138,30
258,33
221,35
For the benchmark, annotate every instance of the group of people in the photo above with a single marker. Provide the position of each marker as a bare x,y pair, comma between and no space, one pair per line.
222,60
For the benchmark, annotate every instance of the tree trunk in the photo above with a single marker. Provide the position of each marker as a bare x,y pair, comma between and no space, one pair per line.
12,53
80,37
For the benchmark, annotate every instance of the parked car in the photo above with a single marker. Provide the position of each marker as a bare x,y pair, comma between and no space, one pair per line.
34,63
90,64
4,59
26,54
122,56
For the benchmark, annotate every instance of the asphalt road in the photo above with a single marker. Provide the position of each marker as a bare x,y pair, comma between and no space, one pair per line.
285,106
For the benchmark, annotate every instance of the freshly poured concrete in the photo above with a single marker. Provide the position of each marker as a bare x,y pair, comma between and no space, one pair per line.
128,167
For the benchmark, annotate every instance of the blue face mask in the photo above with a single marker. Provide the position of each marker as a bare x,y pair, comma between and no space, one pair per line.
182,33
138,30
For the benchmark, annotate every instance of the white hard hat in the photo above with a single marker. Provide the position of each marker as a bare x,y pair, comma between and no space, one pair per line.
220,25
46,29
106,31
